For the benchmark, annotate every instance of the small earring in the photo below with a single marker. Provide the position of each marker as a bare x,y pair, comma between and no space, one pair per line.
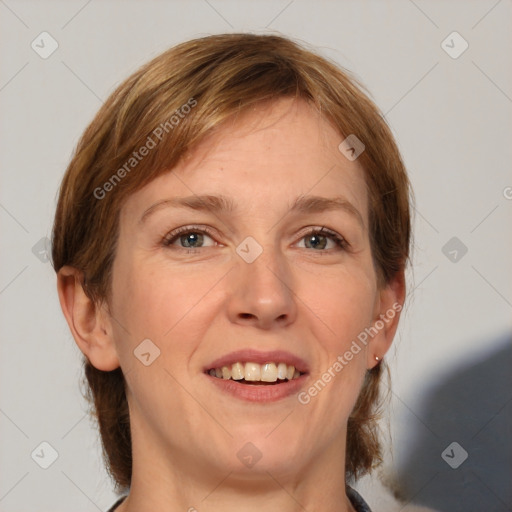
376,358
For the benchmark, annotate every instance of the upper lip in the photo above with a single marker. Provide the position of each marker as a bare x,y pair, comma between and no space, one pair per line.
255,356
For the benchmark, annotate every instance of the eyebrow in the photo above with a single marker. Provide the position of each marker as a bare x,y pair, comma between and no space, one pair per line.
220,204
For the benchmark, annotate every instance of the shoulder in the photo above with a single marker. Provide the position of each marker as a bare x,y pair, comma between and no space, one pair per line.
116,504
380,497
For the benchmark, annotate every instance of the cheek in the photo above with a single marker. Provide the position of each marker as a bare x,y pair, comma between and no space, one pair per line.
343,311
343,305
343,302
161,303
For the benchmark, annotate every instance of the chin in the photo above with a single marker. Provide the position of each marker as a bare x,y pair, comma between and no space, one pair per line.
272,448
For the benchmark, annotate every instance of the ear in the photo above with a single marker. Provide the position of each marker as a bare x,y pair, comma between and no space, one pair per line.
90,324
388,307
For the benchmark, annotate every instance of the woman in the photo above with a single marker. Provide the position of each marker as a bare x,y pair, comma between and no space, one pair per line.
230,241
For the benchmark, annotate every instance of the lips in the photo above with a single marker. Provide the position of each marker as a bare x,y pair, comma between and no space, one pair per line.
258,377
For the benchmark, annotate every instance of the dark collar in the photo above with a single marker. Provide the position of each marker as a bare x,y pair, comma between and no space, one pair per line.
355,498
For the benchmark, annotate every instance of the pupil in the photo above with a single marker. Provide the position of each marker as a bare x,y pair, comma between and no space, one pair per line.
316,237
190,238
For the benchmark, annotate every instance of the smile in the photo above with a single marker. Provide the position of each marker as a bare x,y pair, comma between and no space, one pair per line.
256,376
250,372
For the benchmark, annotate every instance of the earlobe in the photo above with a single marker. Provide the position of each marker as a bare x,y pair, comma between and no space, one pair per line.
386,318
89,323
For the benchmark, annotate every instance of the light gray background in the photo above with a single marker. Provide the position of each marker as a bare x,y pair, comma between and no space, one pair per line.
452,119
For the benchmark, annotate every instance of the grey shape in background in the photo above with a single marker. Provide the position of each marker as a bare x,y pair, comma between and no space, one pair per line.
474,407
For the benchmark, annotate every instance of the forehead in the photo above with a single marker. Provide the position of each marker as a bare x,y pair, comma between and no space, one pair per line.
269,155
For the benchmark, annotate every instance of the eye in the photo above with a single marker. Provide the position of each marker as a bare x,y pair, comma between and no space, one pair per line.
190,236
318,239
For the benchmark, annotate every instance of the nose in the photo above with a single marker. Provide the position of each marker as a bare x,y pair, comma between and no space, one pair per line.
262,292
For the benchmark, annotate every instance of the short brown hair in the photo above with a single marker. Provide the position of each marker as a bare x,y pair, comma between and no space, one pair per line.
217,77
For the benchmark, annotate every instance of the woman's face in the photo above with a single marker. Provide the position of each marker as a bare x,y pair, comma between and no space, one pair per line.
258,281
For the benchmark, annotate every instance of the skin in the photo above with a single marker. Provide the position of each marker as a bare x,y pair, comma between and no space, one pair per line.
312,300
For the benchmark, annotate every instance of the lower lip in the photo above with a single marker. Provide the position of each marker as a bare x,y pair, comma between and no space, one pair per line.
257,392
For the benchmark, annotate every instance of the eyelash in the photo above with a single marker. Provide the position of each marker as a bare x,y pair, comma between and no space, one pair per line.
171,237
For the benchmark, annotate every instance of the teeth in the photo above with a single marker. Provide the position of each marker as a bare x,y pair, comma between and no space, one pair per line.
281,371
237,371
254,372
269,372
226,372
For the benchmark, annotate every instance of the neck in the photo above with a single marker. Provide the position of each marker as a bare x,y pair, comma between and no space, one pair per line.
177,482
